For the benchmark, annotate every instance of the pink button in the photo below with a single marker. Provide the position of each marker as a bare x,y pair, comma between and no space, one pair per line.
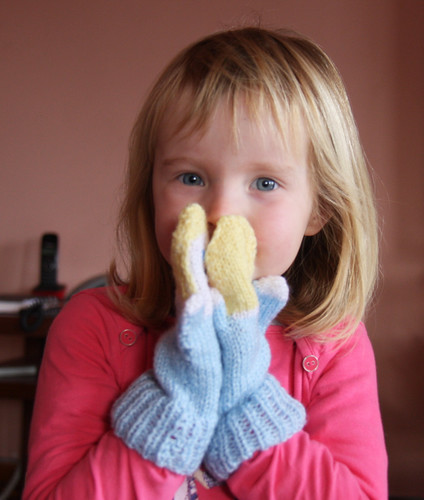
127,337
310,363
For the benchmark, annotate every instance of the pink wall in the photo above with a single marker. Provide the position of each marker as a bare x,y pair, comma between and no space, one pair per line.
74,74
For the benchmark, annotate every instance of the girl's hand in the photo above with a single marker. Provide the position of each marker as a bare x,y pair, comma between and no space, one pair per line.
169,415
255,411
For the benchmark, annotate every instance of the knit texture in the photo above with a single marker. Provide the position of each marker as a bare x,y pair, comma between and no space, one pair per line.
255,412
169,415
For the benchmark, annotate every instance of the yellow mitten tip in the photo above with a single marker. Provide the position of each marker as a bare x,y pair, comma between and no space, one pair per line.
230,262
191,226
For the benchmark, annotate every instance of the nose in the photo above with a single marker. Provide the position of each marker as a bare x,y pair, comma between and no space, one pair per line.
221,202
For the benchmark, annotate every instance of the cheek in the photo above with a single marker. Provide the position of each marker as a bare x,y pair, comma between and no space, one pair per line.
275,254
278,245
165,224
166,217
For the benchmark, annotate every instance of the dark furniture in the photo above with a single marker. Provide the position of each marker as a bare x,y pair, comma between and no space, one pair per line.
22,388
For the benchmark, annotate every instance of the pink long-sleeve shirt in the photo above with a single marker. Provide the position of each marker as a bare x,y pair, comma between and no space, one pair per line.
93,354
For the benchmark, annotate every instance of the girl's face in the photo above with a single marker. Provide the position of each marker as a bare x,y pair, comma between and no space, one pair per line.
261,177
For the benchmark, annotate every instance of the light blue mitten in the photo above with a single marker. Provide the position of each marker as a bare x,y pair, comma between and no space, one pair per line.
255,411
169,415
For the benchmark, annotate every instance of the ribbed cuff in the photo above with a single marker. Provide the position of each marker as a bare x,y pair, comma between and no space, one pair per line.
168,432
266,418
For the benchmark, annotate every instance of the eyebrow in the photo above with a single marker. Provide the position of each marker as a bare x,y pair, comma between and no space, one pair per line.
171,161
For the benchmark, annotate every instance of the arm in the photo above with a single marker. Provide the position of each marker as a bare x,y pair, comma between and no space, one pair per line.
256,412
341,452
73,452
169,414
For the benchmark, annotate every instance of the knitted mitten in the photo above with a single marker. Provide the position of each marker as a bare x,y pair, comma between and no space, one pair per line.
169,415
255,411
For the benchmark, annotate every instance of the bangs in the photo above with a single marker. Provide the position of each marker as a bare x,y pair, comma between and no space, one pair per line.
234,69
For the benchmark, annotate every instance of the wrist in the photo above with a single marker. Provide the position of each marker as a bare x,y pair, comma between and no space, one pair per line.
265,418
172,432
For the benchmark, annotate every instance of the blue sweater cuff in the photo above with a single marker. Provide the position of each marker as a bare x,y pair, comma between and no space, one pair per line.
266,418
167,431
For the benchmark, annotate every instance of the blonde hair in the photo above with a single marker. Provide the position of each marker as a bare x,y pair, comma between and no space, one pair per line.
333,275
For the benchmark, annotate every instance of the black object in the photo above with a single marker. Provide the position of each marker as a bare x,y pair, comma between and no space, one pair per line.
48,267
49,260
32,316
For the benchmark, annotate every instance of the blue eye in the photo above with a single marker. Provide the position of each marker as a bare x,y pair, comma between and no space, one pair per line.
265,184
190,179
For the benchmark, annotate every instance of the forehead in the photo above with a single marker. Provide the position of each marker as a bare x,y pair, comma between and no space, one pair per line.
184,117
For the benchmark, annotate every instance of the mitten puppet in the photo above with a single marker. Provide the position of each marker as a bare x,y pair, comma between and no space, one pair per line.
169,414
255,412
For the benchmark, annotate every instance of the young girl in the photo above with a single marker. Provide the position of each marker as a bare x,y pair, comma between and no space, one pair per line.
232,361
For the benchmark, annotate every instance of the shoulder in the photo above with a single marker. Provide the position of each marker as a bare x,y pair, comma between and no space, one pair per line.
352,358
88,316
97,298
91,332
357,342
307,368
91,304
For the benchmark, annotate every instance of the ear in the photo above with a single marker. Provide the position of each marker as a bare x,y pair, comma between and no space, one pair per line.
315,224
